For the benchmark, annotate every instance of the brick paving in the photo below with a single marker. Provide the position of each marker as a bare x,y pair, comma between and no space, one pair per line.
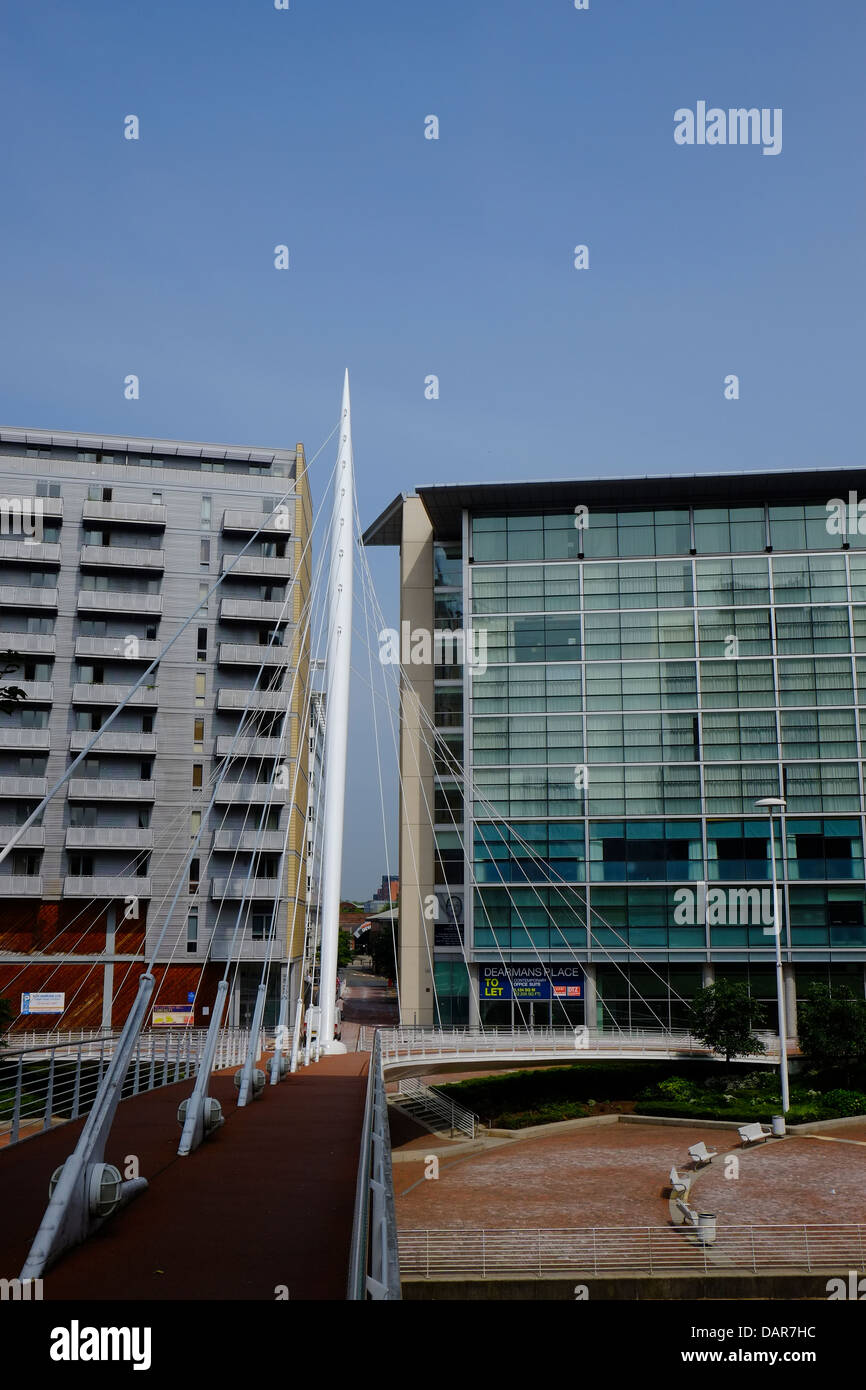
615,1175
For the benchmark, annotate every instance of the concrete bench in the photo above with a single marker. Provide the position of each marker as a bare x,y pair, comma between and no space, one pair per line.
754,1134
700,1154
678,1185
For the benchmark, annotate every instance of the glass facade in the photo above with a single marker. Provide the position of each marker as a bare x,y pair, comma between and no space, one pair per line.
649,674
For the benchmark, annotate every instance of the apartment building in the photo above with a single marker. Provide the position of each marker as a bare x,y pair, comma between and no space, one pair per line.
107,545
579,805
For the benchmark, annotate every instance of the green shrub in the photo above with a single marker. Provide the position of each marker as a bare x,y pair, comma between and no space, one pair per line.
845,1102
677,1088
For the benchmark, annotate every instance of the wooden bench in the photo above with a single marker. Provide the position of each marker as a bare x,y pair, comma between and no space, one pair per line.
754,1134
700,1154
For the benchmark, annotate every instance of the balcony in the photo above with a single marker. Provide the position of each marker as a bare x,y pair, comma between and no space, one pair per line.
38,692
31,739
242,887
107,886
274,701
254,610
125,557
108,789
133,742
23,596
245,949
252,793
257,566
30,788
125,514
249,654
107,837
116,648
254,840
228,746
30,552
17,886
33,837
28,643
117,601
89,694
250,522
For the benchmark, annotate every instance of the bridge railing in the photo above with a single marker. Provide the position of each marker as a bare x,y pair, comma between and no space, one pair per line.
411,1043
47,1084
597,1251
374,1270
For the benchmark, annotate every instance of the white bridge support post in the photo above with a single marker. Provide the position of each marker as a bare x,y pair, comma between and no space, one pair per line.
337,723
70,1217
253,1045
194,1127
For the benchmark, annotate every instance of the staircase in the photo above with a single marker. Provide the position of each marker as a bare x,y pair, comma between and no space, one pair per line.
432,1109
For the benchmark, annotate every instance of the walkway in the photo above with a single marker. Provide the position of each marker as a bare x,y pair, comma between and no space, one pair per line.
266,1202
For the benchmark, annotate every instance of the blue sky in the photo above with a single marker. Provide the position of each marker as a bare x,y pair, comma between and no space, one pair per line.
411,257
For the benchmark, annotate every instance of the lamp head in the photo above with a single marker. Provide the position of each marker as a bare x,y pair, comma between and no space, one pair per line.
772,803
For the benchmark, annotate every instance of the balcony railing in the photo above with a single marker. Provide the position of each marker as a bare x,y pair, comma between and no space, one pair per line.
114,743
118,601
109,789
28,643
248,654
33,838
126,514
32,788
252,793
117,648
254,840
108,837
25,738
254,610
259,566
268,700
23,596
106,886
30,552
37,692
127,557
19,886
229,746
86,693
256,521
242,887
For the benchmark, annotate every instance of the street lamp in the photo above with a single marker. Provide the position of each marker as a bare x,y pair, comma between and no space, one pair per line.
771,804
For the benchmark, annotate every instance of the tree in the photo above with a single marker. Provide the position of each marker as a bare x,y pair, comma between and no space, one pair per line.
345,948
10,695
7,1013
381,948
832,1027
723,1016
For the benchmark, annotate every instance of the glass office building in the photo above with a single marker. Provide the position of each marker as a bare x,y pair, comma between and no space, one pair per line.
651,657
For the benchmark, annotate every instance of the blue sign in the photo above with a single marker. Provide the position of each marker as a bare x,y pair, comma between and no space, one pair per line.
539,981
190,998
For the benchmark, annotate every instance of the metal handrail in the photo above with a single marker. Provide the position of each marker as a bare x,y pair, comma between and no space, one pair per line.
599,1250
456,1116
374,1268
408,1043
48,1084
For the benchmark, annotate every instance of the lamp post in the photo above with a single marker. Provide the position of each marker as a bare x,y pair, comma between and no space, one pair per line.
771,804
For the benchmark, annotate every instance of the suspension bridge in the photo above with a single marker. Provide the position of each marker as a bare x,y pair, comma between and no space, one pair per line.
243,1162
